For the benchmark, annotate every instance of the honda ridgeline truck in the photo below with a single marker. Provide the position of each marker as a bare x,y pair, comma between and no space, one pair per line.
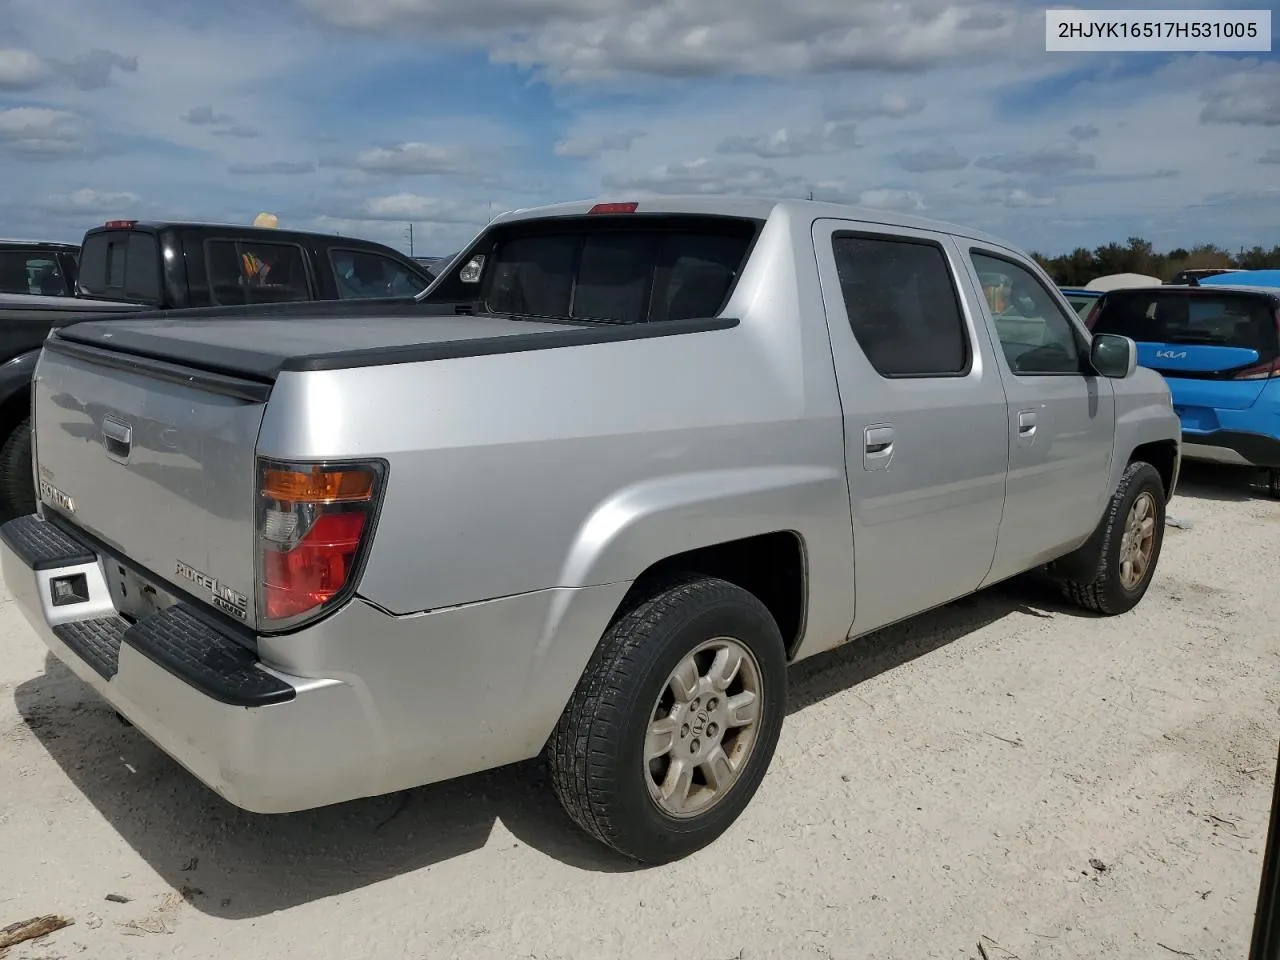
626,463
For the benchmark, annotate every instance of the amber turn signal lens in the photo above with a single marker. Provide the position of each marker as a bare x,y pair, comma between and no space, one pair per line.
319,485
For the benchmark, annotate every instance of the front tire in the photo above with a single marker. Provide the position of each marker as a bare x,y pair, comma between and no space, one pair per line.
1132,534
17,484
1273,483
674,721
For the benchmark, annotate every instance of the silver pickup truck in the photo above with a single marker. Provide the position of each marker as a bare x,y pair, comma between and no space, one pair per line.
626,463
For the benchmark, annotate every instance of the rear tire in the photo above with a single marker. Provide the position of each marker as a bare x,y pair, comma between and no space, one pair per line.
1132,534
674,722
1273,482
17,485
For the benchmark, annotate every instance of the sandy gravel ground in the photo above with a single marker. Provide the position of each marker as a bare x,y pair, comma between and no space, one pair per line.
1004,770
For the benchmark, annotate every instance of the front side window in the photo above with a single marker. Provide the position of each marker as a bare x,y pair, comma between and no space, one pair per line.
1035,334
362,275
253,272
902,306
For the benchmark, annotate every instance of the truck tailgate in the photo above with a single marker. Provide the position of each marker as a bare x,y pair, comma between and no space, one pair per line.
161,469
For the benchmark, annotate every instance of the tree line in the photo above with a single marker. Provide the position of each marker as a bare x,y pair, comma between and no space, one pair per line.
1082,265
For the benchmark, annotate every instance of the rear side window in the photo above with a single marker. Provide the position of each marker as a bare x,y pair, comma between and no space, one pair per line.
666,269
1178,317
121,265
253,272
29,271
902,306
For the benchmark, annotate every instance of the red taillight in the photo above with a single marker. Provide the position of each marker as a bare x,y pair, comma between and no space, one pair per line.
314,525
614,208
1092,318
1262,371
120,224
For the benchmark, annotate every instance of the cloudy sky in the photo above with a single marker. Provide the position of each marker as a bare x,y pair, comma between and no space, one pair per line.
361,116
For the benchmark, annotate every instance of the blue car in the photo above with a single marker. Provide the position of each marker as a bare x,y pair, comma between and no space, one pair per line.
1218,347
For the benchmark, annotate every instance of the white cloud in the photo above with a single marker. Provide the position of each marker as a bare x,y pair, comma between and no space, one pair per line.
89,201
831,137
705,176
892,106
412,206
906,201
1045,161
1250,98
40,131
93,70
206,116
1019,197
242,130
581,40
583,147
254,168
1083,131
405,159
930,159
1271,156
21,69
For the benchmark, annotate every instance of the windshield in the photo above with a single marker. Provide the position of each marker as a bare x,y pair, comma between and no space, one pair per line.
1168,317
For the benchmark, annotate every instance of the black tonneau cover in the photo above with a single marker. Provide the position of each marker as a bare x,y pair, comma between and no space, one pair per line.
260,346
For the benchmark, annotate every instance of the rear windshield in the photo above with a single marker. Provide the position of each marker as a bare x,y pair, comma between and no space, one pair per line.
121,265
1159,317
625,270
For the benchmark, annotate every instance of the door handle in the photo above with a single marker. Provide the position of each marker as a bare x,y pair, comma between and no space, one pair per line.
877,447
1026,424
117,438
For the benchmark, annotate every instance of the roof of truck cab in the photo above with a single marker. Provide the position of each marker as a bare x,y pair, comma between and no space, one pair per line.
758,208
213,225
48,244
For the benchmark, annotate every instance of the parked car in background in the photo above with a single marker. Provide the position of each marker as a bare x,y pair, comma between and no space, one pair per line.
626,462
1081,300
1219,349
1183,277
127,266
1244,278
38,268
176,265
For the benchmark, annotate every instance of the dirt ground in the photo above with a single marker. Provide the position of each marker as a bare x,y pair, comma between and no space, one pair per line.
1004,771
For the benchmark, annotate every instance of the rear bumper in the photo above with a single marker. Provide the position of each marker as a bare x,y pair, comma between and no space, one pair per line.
1232,447
266,741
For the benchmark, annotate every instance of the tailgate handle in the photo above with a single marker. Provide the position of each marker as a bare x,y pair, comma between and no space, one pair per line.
117,438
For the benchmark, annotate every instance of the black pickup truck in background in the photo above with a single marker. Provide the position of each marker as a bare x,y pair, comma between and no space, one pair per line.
126,267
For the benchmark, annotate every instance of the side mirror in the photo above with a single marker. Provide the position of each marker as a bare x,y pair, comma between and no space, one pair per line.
1113,356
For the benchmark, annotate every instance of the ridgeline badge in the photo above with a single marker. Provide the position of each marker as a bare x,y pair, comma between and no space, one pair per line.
224,598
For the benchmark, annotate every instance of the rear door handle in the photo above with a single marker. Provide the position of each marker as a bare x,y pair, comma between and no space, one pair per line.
877,447
1026,424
